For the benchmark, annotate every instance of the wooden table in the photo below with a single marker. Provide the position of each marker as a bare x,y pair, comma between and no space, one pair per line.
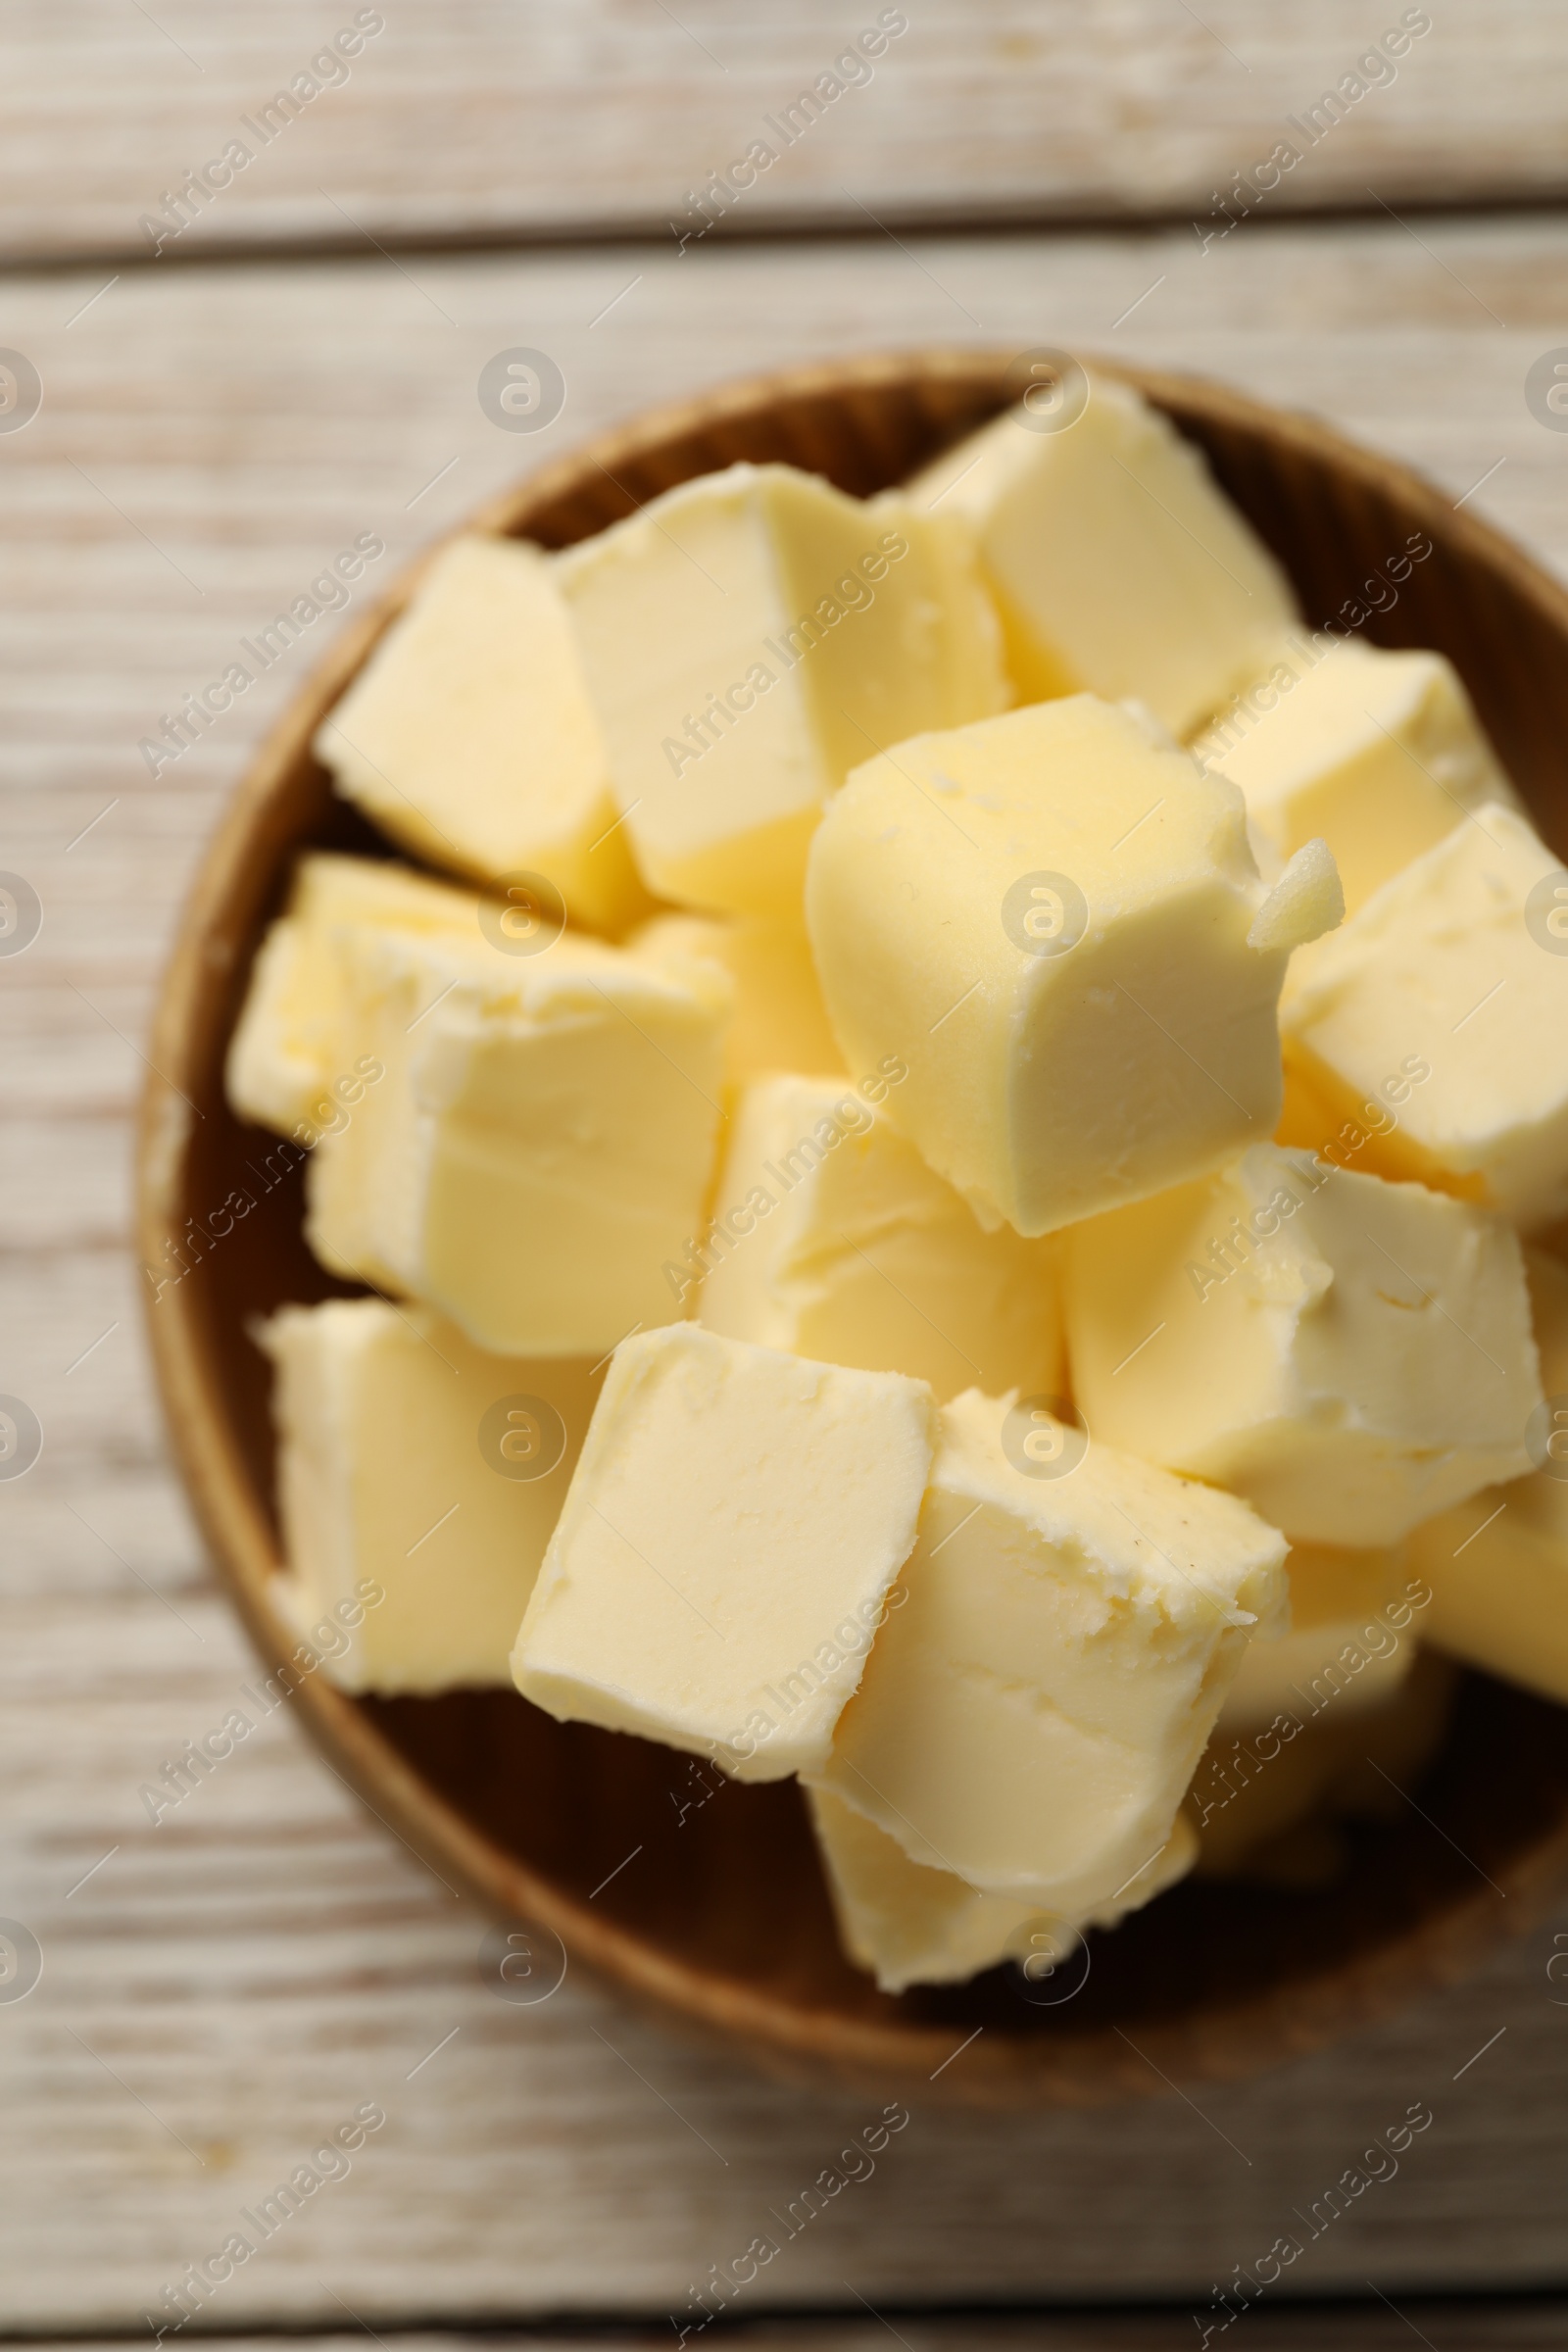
219,417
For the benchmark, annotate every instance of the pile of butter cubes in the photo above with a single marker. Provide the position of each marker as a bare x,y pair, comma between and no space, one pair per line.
932,1158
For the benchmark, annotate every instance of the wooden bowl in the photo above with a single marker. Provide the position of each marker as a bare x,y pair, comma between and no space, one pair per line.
723,1921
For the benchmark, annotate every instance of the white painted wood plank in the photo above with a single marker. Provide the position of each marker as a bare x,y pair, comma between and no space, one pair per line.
513,118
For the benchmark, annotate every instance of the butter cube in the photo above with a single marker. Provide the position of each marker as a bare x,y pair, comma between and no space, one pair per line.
1032,1714
1378,754
750,636
779,1021
1117,565
909,1924
727,1549
469,736
1349,1355
285,1064
831,1238
418,1481
540,1144
1497,1564
1049,921
1344,1644
1458,966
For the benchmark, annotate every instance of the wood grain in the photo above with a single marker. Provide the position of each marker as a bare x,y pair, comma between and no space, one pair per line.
515,118
266,1958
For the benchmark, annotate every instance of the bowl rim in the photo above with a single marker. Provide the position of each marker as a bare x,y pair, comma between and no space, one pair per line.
782,2036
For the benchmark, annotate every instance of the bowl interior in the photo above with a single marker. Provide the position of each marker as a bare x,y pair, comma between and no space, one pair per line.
722,1916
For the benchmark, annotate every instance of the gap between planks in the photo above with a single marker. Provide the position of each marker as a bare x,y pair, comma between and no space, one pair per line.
635,234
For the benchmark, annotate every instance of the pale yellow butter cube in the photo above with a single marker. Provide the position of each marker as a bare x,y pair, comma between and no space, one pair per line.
286,1063
540,1144
419,1482
831,1238
1117,562
1378,754
727,1549
1032,1713
910,1925
471,738
779,1021
1054,924
1349,1355
749,637
1461,964
1497,1564
1341,1646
